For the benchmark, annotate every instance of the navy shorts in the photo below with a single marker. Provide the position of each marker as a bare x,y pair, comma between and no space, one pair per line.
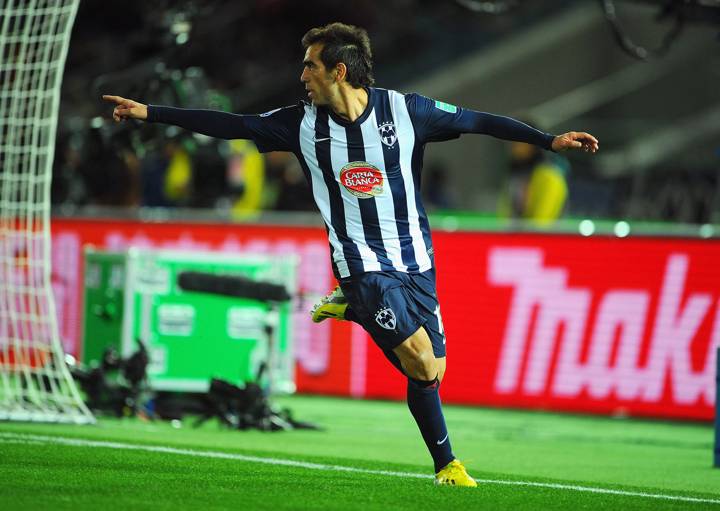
392,305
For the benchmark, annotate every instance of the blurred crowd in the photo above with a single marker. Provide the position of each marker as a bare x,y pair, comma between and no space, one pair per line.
245,57
231,56
170,169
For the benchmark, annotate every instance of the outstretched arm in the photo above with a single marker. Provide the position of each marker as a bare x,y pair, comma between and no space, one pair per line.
276,130
208,122
508,128
436,121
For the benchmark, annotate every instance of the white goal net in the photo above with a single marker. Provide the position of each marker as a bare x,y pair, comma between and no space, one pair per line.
35,384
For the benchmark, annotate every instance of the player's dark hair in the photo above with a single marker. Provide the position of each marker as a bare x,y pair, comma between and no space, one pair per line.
347,44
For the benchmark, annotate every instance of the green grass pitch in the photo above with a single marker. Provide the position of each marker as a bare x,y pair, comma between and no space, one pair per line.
370,456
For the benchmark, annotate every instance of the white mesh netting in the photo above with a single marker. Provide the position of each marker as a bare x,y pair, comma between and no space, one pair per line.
35,383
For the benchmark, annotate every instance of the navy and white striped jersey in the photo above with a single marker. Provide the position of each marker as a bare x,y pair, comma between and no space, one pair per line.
365,174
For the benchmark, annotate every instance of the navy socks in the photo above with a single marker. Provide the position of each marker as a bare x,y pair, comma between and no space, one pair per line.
424,402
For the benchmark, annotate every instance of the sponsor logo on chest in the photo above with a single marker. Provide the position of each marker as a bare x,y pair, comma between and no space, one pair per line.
364,180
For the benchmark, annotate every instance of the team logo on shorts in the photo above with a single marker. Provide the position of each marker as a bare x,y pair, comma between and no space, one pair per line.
362,179
386,318
388,134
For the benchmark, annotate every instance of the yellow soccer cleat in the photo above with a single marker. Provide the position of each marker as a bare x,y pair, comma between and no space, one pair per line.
454,474
332,306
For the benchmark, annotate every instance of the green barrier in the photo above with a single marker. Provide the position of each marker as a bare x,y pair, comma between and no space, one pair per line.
104,296
191,337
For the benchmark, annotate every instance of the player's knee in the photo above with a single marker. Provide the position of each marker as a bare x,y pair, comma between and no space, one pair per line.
421,365
417,357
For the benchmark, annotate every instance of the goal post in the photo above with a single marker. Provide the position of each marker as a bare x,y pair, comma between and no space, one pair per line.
35,383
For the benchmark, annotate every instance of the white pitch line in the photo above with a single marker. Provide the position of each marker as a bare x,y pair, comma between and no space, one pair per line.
28,438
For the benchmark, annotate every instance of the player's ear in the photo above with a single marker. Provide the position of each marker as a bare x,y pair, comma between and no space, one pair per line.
340,72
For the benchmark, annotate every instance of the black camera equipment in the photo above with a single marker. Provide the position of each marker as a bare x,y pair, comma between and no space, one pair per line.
115,385
246,408
249,406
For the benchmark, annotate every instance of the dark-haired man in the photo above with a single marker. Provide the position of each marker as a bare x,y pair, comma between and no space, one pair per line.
361,149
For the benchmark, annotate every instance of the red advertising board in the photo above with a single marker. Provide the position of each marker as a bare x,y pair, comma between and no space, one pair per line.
599,324
558,322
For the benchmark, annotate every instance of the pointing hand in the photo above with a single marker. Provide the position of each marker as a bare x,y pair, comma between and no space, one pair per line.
126,108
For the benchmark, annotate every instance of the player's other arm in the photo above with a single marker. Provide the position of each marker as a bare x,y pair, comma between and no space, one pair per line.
207,122
508,128
436,121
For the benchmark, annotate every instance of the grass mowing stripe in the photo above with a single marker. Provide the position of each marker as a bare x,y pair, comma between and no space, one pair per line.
608,491
40,439
77,442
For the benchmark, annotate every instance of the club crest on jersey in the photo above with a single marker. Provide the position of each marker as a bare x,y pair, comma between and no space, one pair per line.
385,317
364,180
388,134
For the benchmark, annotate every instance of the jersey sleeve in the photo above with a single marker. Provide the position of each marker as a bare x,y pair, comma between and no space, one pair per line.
435,121
276,130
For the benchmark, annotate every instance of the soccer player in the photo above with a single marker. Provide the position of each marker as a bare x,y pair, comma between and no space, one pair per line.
361,149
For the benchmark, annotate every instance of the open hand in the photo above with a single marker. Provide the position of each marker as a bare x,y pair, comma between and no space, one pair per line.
575,140
126,108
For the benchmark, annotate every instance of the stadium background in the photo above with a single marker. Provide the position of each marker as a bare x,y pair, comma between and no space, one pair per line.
557,63
580,295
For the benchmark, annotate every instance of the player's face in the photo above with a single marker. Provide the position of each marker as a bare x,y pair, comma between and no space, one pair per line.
318,80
